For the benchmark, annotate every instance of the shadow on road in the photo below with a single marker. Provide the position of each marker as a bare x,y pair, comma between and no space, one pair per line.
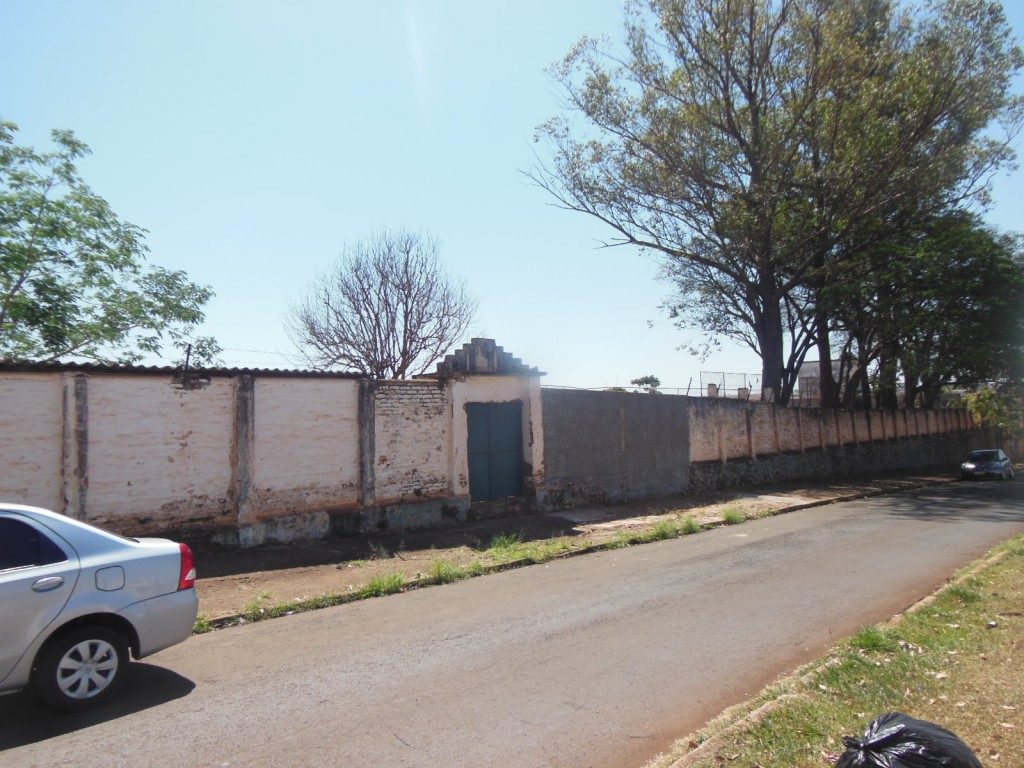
987,500
23,720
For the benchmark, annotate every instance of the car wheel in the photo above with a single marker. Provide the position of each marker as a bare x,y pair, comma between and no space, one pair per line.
81,668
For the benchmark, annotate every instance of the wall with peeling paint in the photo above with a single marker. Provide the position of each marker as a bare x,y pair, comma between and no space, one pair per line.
306,446
412,441
31,439
241,459
158,455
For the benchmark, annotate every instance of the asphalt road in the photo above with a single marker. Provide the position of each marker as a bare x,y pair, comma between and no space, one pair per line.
598,660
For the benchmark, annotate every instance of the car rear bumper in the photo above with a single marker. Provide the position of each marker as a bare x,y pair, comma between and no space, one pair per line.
163,621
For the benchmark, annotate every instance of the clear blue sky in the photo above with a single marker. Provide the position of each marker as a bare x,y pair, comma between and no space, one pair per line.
252,139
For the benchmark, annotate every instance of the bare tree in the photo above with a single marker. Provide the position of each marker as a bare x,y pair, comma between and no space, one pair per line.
386,309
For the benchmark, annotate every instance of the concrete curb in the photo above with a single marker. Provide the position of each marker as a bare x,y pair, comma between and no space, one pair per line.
239,619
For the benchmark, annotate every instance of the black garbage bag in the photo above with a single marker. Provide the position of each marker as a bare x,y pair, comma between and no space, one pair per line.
895,740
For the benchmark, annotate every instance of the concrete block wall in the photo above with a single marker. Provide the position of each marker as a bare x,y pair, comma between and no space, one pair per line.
605,446
611,446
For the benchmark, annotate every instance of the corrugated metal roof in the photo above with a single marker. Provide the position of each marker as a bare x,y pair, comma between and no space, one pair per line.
169,370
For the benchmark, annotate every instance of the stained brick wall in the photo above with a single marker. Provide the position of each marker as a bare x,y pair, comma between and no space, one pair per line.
412,440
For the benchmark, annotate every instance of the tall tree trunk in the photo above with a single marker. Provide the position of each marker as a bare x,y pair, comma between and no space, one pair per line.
770,337
887,381
826,381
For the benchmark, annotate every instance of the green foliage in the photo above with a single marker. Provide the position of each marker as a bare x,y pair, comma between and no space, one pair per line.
504,542
964,594
73,277
649,383
388,584
942,303
664,530
733,516
759,147
444,572
689,526
1002,410
874,639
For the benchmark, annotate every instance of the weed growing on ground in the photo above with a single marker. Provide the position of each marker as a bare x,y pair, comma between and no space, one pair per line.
256,608
378,551
664,530
444,572
874,639
964,594
689,525
733,516
379,586
202,625
504,542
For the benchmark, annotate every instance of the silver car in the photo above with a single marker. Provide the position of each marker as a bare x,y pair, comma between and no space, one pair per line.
75,600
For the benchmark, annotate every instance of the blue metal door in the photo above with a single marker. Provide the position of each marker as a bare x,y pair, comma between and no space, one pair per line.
495,450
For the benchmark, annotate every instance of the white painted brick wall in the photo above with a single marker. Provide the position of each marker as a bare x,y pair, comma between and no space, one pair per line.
31,439
306,446
158,451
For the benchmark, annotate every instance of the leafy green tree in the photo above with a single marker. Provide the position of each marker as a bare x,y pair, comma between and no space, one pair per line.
648,383
941,304
1003,410
74,282
760,145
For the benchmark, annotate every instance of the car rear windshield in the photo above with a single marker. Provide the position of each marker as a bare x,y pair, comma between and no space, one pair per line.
984,455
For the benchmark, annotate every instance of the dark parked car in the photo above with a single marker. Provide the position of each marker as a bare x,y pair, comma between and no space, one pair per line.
990,462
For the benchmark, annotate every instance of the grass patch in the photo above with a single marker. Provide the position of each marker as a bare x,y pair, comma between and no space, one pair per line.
202,625
388,584
664,530
504,542
954,661
444,572
964,594
689,525
508,548
733,516
874,639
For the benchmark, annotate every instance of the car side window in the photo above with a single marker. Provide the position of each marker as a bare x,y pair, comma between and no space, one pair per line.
22,546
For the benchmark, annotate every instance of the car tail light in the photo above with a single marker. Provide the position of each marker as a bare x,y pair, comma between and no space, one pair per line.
187,578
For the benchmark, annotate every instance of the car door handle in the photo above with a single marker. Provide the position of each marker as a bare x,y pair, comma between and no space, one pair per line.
47,583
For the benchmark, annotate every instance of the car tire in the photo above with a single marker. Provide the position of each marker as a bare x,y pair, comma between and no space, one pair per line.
82,668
